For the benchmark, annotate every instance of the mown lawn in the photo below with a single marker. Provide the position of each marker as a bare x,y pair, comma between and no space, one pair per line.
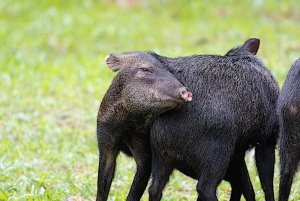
53,76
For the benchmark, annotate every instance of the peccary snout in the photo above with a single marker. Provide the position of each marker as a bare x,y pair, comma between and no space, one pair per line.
186,95
145,84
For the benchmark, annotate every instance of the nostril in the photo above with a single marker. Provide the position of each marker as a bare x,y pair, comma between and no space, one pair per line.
186,95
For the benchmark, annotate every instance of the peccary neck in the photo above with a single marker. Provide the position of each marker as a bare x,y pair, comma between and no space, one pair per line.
119,117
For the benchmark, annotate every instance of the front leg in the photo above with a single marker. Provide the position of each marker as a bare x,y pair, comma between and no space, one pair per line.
161,171
238,176
140,149
106,170
265,160
108,152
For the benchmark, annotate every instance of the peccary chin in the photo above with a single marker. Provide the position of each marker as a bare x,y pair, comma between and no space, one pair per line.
120,117
122,125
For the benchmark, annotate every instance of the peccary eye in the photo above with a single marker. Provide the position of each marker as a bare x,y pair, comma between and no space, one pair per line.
145,70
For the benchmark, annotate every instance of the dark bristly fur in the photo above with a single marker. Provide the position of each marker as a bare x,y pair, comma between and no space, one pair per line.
142,89
289,121
233,109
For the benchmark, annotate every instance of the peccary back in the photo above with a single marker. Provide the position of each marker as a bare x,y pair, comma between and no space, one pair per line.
233,108
237,89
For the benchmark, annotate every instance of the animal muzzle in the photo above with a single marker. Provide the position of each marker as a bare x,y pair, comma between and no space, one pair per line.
185,95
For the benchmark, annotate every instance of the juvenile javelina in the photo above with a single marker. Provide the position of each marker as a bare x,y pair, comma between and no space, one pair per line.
289,121
142,89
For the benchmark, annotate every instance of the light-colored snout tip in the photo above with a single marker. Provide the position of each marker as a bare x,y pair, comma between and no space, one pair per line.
186,95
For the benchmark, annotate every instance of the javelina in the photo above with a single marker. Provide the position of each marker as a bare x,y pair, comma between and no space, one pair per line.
233,108
289,137
116,62
141,90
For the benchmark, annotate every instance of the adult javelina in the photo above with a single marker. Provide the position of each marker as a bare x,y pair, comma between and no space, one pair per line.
233,108
234,92
141,90
289,121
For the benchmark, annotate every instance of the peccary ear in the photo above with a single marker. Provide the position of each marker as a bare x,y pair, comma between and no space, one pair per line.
251,45
113,62
117,61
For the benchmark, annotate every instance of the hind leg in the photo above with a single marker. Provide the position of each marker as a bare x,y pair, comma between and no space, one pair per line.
265,159
289,159
238,176
142,155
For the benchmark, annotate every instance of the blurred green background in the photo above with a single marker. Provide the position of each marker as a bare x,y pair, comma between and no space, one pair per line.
53,76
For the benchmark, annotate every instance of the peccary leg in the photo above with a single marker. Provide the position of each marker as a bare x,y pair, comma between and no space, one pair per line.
211,177
245,182
142,155
288,168
160,176
265,159
238,176
289,158
232,177
106,170
207,189
236,192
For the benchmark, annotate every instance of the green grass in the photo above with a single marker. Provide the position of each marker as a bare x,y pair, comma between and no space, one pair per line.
53,76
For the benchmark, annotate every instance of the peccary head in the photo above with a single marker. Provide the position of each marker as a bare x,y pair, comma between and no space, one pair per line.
251,46
144,84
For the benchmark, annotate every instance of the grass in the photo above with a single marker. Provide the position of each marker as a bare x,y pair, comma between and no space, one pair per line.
53,76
